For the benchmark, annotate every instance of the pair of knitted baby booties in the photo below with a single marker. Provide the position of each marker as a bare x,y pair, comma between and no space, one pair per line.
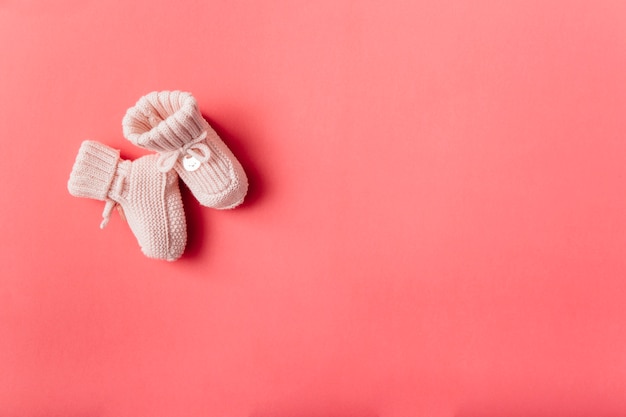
146,190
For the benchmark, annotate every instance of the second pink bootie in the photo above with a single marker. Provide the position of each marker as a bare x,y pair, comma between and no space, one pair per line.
150,200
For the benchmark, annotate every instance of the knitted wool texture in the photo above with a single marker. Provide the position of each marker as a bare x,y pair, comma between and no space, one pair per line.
149,199
170,123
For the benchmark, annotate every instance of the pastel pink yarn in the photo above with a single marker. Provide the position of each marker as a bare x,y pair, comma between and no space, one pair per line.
149,199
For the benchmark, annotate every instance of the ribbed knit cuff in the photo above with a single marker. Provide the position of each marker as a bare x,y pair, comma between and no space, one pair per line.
164,121
93,170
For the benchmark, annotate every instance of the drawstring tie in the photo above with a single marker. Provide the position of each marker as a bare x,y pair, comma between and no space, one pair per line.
111,204
195,149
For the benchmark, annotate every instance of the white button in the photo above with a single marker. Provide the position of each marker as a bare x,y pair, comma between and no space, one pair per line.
190,163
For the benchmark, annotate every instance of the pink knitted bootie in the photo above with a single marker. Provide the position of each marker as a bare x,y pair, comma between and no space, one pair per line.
149,199
170,123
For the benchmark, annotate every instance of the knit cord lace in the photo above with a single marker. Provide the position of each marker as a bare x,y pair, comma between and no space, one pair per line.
110,204
194,148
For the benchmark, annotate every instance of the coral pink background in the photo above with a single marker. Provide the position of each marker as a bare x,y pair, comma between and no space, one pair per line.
436,224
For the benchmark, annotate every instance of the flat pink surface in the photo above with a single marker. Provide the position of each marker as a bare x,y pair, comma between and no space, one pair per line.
436,224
